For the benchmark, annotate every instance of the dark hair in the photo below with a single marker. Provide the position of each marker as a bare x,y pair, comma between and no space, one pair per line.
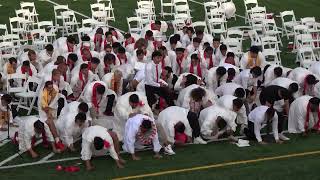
173,40
48,83
277,71
180,49
95,60
190,29
194,56
108,46
99,31
191,79
240,93
116,45
73,57
179,127
101,89
221,71
85,38
231,72
71,39
83,66
38,125
121,50
108,33
197,94
7,98
139,52
82,117
208,49
230,54
49,47
199,32
205,45
98,143
146,124
270,112
216,39
256,71
223,47
196,39
157,22
311,79
238,102
221,122
134,98
127,36
83,107
314,101
156,53
254,49
109,57
12,59
294,87
168,68
149,33
284,93
26,63
177,37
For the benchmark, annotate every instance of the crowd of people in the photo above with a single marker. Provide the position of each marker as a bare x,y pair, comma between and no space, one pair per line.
160,94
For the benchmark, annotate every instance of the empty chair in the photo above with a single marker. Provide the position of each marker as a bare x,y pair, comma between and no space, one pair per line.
50,29
288,20
108,8
90,23
98,13
248,4
200,25
216,26
134,24
166,5
271,57
39,38
3,30
270,29
306,57
33,15
57,15
271,43
207,8
70,23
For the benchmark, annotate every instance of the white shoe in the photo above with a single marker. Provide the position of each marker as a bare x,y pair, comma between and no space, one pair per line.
283,137
199,140
168,150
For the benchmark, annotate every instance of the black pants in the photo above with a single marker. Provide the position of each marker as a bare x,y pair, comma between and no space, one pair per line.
249,131
163,92
280,121
60,106
111,98
194,124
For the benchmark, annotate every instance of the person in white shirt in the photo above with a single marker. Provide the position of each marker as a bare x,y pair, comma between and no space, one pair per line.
108,64
65,45
216,77
47,55
248,79
186,38
216,121
77,107
231,89
260,117
304,115
70,127
289,84
271,72
179,61
122,56
315,69
230,59
209,58
97,140
305,79
153,83
236,105
140,131
27,69
114,81
185,80
252,59
30,129
196,66
99,98
195,46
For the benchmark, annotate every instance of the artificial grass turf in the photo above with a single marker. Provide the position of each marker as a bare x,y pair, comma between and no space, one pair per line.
192,156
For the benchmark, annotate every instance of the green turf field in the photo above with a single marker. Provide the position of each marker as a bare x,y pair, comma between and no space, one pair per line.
302,167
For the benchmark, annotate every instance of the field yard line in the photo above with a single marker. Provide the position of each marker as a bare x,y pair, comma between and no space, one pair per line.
219,165
4,142
79,13
196,2
15,155
47,157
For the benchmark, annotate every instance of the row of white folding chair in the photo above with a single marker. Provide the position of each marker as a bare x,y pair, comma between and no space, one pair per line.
218,13
7,50
297,30
3,30
307,40
70,23
18,26
248,4
200,25
134,24
305,56
208,6
50,29
39,38
108,8
149,5
270,28
166,4
33,15
178,25
145,15
288,20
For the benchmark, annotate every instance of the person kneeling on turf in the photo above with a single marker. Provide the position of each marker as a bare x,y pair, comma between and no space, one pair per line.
141,131
101,139
30,129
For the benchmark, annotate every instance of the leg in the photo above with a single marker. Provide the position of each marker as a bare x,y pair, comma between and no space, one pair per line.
52,127
60,106
150,91
110,104
249,131
194,124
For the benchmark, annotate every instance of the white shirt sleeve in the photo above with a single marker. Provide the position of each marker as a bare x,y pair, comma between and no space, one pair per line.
86,152
257,128
129,139
206,128
275,127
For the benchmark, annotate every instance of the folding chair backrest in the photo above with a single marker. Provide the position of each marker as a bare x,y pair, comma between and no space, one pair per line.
33,84
89,23
15,83
288,16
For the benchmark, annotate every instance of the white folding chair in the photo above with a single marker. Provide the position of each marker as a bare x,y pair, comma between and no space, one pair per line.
14,38
271,57
50,29
178,25
108,8
134,24
288,20
306,57
33,15
271,43
7,50
216,26
270,29
207,8
15,84
166,4
83,31
308,21
39,38
145,15
200,25
234,45
297,30
27,98
17,26
248,4
57,15
90,23
70,23
3,30
98,13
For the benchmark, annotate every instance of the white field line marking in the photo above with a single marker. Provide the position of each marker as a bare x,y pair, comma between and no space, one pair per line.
47,157
4,142
81,14
42,161
196,2
15,155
